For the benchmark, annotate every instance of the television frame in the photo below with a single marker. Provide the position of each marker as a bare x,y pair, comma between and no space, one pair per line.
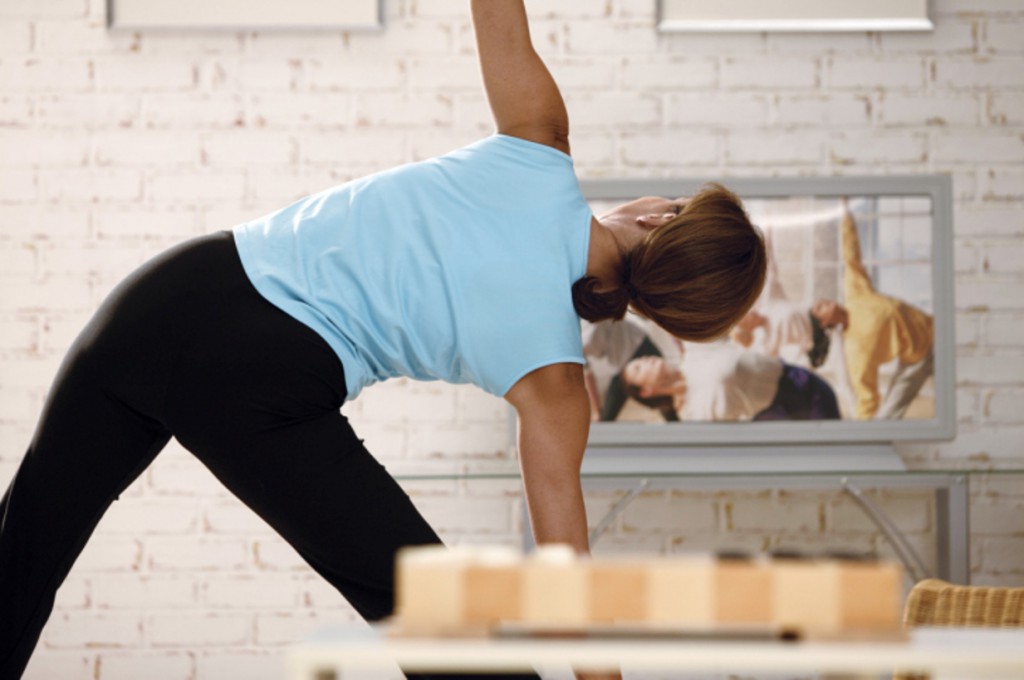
864,444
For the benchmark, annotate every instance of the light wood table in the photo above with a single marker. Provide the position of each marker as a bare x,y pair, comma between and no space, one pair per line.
945,654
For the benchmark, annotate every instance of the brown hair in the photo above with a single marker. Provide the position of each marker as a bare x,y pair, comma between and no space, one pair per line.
695,276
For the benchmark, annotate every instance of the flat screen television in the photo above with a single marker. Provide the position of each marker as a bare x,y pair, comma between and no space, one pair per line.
809,376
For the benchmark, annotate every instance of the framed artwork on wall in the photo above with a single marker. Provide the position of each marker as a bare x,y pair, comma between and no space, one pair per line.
244,15
793,15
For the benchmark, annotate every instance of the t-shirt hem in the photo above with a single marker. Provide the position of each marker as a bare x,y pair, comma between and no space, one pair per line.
575,359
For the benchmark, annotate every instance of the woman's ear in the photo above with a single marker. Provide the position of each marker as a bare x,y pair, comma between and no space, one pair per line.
655,220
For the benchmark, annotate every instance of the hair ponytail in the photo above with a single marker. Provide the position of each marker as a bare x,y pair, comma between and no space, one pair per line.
593,305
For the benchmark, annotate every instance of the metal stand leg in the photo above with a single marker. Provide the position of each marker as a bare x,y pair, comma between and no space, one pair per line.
952,528
916,568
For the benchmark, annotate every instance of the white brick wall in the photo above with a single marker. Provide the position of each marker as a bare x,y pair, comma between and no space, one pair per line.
113,146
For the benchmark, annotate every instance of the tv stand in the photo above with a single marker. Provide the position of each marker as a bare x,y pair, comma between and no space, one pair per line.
849,468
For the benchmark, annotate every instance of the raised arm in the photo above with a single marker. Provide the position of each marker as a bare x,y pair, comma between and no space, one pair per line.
856,280
554,419
524,98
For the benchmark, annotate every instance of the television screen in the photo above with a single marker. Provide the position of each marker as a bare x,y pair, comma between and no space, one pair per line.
850,341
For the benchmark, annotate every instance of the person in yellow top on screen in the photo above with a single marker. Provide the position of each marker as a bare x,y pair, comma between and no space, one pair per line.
879,328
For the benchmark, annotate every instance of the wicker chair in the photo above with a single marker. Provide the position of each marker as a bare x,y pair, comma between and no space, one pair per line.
936,603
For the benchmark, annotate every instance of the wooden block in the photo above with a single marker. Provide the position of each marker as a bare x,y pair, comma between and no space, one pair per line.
743,591
680,591
835,596
618,590
555,587
871,595
430,588
806,595
494,589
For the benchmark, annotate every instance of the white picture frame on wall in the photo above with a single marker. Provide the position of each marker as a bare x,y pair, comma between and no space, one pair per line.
349,15
701,16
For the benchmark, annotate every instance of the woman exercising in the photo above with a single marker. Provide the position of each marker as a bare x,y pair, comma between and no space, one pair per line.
473,267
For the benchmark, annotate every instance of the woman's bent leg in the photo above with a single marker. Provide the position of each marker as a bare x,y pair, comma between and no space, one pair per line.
88,447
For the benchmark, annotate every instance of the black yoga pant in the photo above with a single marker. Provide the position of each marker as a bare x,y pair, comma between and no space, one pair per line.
186,347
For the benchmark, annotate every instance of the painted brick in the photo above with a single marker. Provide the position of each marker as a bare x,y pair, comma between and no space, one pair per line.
110,554
1005,329
990,369
49,664
124,222
74,593
369,149
284,629
38,75
592,110
712,44
261,591
247,149
668,74
477,515
300,110
582,74
53,292
446,74
251,665
777,511
167,553
775,149
145,664
173,629
669,513
771,73
948,37
1006,108
51,9
273,554
845,73
909,511
233,518
91,185
350,75
896,109
980,147
81,629
15,37
141,74
811,44
1002,257
184,111
989,220
1002,555
80,37
143,591
832,110
1001,183
128,148
92,110
475,406
1003,36
1004,407
17,185
195,187
484,440
878,147
15,110
667,148
717,109
400,39
149,516
979,73
424,110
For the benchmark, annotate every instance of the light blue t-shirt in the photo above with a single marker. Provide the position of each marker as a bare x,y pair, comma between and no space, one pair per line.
457,268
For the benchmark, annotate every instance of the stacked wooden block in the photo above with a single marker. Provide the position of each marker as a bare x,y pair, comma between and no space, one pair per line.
472,590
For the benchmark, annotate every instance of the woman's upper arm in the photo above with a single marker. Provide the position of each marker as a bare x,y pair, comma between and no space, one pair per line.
524,98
